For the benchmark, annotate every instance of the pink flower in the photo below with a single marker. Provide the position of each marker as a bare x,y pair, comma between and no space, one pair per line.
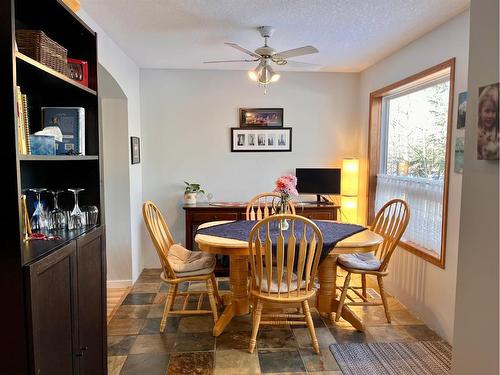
286,185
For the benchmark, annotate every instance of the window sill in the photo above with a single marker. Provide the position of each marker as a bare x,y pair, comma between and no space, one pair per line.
424,253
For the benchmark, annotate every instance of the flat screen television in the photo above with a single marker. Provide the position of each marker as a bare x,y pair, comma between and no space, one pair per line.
318,181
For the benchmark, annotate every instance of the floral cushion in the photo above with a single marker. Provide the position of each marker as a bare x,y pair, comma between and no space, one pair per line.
283,287
361,261
185,262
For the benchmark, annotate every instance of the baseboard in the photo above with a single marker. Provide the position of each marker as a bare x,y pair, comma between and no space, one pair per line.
119,283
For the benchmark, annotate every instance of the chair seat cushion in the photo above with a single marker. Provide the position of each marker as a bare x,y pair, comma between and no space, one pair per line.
361,261
284,286
185,262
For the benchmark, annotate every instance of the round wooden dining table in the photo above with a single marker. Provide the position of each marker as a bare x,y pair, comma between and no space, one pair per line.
237,302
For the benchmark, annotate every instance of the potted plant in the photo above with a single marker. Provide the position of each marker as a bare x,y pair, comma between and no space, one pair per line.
192,190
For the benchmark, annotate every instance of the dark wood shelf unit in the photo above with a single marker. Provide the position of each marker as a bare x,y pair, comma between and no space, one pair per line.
57,157
45,70
56,289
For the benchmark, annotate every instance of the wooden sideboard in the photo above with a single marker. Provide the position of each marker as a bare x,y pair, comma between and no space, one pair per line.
200,213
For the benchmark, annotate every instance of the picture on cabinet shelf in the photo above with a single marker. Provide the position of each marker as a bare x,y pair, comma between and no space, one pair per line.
135,150
488,136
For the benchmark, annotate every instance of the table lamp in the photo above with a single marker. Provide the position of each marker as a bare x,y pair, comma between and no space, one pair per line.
349,190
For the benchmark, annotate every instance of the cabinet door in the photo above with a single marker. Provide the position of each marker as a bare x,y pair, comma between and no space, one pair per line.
52,283
91,303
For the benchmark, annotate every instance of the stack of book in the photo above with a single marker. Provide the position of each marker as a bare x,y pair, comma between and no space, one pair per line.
23,123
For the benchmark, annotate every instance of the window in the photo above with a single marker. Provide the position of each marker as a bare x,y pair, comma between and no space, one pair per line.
409,155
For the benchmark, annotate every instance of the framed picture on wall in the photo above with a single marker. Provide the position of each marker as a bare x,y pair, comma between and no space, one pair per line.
462,109
135,150
261,139
488,133
270,117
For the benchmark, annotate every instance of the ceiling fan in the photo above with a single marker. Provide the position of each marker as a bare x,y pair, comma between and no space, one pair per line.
264,73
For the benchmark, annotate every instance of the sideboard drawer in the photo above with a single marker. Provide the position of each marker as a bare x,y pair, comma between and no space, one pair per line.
203,217
325,215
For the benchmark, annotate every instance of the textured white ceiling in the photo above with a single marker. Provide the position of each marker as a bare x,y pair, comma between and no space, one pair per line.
350,34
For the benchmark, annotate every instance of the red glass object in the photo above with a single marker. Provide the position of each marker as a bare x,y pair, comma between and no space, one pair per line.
79,71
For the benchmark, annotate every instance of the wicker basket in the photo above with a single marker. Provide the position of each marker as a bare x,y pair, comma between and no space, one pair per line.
38,46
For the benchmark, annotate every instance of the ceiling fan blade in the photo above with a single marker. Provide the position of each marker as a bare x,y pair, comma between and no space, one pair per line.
306,50
300,64
229,61
240,48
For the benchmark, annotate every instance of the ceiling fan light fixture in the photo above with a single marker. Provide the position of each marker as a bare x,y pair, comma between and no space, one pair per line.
263,74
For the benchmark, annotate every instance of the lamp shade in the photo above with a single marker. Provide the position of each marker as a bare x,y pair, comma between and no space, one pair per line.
349,206
350,176
264,73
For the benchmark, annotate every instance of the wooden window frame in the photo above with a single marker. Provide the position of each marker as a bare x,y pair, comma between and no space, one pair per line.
374,132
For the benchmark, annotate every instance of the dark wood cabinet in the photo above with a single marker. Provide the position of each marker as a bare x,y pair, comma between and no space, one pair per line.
91,292
67,303
52,300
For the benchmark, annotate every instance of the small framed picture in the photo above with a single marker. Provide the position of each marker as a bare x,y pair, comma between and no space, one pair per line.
462,109
488,131
135,150
261,139
270,117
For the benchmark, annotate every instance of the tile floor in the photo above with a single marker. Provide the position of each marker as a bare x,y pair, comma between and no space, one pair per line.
136,347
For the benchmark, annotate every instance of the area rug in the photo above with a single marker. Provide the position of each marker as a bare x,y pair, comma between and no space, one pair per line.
415,358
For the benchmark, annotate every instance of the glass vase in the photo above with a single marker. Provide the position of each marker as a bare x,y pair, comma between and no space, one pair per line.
283,210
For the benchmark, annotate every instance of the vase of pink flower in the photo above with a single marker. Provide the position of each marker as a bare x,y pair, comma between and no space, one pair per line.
286,186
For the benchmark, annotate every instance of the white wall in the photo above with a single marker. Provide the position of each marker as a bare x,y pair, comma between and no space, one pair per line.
126,74
186,121
428,291
475,345
116,190
114,118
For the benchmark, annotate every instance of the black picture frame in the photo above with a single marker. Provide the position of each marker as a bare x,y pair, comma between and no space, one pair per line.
261,139
262,117
135,150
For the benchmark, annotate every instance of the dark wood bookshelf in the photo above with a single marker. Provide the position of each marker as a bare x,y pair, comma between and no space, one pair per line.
56,289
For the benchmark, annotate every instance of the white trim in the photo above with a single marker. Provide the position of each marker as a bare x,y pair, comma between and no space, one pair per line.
118,283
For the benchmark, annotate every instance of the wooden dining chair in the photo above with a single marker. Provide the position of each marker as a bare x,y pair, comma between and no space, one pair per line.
290,279
163,243
390,222
264,205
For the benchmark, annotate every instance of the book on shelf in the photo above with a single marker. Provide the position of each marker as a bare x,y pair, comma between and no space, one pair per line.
26,123
22,118
71,121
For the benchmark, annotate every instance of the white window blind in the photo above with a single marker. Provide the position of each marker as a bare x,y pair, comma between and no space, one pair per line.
425,198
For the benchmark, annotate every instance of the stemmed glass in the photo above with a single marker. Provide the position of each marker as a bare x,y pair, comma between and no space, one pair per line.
76,218
39,220
57,218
